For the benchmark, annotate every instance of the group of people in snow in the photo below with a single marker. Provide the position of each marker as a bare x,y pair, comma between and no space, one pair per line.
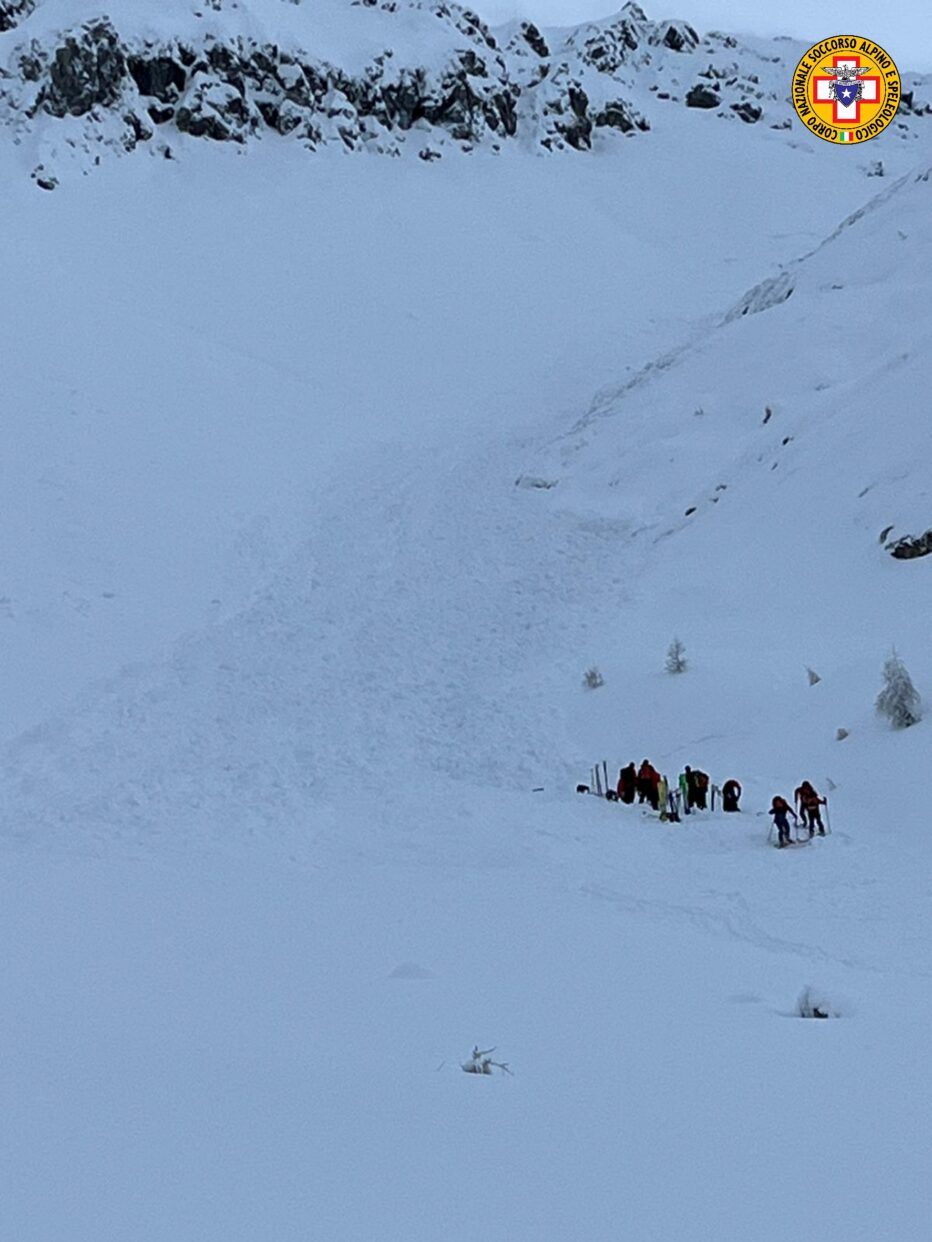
808,804
692,790
690,793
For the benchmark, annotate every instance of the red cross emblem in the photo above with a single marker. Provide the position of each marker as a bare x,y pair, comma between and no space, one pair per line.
845,96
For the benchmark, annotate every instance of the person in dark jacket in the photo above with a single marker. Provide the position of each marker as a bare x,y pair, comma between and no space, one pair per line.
731,793
627,783
700,786
779,809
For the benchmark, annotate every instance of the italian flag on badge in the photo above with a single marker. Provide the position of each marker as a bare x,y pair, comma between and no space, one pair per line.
845,135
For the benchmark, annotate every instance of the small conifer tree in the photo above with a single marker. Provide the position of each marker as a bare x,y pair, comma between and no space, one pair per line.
899,699
676,657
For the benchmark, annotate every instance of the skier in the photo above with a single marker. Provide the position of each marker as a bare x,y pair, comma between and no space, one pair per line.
700,784
655,779
627,783
779,809
646,786
683,783
808,800
731,792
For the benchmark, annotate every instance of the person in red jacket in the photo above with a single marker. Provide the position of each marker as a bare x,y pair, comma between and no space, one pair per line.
808,801
731,792
648,780
627,783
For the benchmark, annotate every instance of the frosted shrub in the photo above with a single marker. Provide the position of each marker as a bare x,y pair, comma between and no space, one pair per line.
813,1004
899,699
593,679
481,1062
676,657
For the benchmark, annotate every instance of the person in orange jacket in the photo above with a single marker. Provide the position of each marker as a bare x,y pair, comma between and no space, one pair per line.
808,800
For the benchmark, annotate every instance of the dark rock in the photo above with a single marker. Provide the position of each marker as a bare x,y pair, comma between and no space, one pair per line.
473,25
459,110
204,125
159,77
12,12
750,113
910,547
535,39
227,65
700,96
139,130
85,73
678,37
504,104
619,115
160,115
402,102
472,65
32,65
608,50
578,131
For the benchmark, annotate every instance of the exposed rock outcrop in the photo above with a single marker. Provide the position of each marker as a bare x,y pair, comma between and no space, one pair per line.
12,12
441,70
911,546
701,96
86,71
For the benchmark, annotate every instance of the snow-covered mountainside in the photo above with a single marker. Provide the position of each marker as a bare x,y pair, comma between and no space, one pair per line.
382,75
311,527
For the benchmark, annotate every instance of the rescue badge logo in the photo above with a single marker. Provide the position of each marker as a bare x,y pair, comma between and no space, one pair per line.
846,89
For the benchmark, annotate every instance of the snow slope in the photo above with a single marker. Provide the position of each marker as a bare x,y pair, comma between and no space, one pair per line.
294,711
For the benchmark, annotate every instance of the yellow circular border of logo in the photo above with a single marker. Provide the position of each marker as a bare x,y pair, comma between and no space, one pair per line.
864,51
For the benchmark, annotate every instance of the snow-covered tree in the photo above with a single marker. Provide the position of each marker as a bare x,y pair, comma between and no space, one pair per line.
676,657
899,699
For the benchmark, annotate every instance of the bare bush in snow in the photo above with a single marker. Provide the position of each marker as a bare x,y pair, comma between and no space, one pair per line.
593,679
481,1062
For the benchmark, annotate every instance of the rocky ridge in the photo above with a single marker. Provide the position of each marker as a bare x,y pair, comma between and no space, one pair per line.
442,77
